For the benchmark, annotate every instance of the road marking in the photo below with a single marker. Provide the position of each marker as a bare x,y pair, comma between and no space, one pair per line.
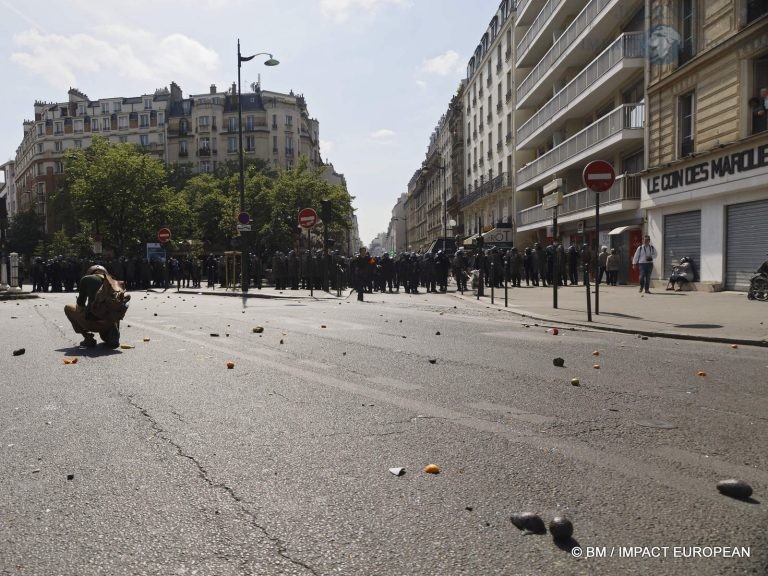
513,413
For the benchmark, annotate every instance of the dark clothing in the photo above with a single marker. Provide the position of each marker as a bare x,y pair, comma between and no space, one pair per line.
87,289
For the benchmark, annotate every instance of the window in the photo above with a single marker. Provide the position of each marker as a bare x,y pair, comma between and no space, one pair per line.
39,148
161,138
116,107
105,107
205,167
58,168
686,119
105,124
274,144
122,122
250,143
58,128
57,146
231,144
143,120
288,120
289,145
205,144
250,123
81,110
634,163
94,124
274,121
183,127
144,139
78,144
160,118
202,122
147,103
758,103
39,129
687,39
232,124
78,126
756,9
122,139
183,148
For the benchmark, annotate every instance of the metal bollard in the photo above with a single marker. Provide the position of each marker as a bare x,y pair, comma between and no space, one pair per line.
589,299
493,280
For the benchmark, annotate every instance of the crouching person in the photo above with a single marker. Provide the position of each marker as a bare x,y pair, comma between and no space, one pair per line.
101,304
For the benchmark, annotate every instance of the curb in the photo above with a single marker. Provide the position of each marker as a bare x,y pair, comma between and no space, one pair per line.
266,295
17,295
601,327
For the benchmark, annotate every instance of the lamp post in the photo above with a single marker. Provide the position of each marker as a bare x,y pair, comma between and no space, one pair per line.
245,259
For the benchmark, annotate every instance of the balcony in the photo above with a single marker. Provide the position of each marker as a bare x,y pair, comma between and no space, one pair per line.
508,96
527,10
613,67
623,195
574,47
620,129
550,19
497,183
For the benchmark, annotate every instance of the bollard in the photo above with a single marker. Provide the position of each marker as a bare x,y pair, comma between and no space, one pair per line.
589,299
493,280
506,271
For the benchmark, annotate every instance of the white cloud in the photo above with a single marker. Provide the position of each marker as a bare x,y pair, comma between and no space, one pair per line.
343,10
383,135
421,84
128,53
443,65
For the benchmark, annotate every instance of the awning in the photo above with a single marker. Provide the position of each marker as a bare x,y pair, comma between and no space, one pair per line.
468,241
622,229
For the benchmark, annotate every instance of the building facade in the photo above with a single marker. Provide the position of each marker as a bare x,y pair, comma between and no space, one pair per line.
705,193
9,175
203,128
489,103
580,96
58,127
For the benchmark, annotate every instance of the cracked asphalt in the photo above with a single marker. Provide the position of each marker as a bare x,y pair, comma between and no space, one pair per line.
160,460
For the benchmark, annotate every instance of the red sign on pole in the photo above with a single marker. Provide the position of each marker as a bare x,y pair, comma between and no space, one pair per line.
307,218
164,234
599,176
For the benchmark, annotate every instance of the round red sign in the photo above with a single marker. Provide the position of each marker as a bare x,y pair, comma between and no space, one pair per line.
164,234
599,176
307,218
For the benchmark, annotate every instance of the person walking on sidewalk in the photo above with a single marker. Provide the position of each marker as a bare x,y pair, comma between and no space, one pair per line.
612,267
643,258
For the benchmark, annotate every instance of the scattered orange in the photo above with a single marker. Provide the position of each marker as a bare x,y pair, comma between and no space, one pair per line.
146,339
596,353
74,360
596,366
734,346
432,469
230,365
67,361
701,373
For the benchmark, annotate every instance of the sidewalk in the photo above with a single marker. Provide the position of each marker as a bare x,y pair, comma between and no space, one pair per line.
714,316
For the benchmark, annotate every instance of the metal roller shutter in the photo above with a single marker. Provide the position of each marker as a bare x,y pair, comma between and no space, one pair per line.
682,237
746,242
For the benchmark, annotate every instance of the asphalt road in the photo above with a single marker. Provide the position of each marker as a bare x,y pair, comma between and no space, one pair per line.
178,465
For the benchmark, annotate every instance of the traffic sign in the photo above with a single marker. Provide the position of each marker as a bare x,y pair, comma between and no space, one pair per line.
243,227
307,218
244,218
599,176
164,234
552,200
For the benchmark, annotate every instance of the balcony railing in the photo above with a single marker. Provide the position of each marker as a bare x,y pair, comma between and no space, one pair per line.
625,188
625,46
472,196
565,41
623,117
541,20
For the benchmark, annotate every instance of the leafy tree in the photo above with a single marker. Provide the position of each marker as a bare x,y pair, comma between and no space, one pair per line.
25,232
118,189
60,244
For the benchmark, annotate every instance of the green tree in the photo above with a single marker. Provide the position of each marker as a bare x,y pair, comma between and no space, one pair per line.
118,189
59,244
25,231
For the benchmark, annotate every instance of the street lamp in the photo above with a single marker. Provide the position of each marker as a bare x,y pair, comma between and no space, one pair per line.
246,279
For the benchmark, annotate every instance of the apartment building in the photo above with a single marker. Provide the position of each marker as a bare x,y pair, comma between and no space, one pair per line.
61,126
579,83
705,193
9,178
397,241
489,101
203,128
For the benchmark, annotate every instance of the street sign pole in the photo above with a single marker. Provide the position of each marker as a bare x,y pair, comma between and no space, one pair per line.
557,278
309,275
596,253
553,197
598,176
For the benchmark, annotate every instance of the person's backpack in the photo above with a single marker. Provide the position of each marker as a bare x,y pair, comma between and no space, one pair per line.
111,300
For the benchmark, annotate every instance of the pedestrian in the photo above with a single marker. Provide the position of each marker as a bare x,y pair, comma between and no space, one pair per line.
528,265
601,260
82,316
360,270
612,267
643,259
585,255
681,274
573,265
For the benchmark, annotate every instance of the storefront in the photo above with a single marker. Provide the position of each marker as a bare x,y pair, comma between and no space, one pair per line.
714,209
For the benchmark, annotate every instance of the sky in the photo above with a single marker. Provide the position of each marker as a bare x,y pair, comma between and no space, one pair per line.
376,74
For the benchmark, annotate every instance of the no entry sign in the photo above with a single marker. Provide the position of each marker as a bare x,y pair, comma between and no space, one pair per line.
599,176
307,218
164,234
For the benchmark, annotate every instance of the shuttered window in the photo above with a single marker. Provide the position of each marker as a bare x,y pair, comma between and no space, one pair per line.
747,232
682,237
